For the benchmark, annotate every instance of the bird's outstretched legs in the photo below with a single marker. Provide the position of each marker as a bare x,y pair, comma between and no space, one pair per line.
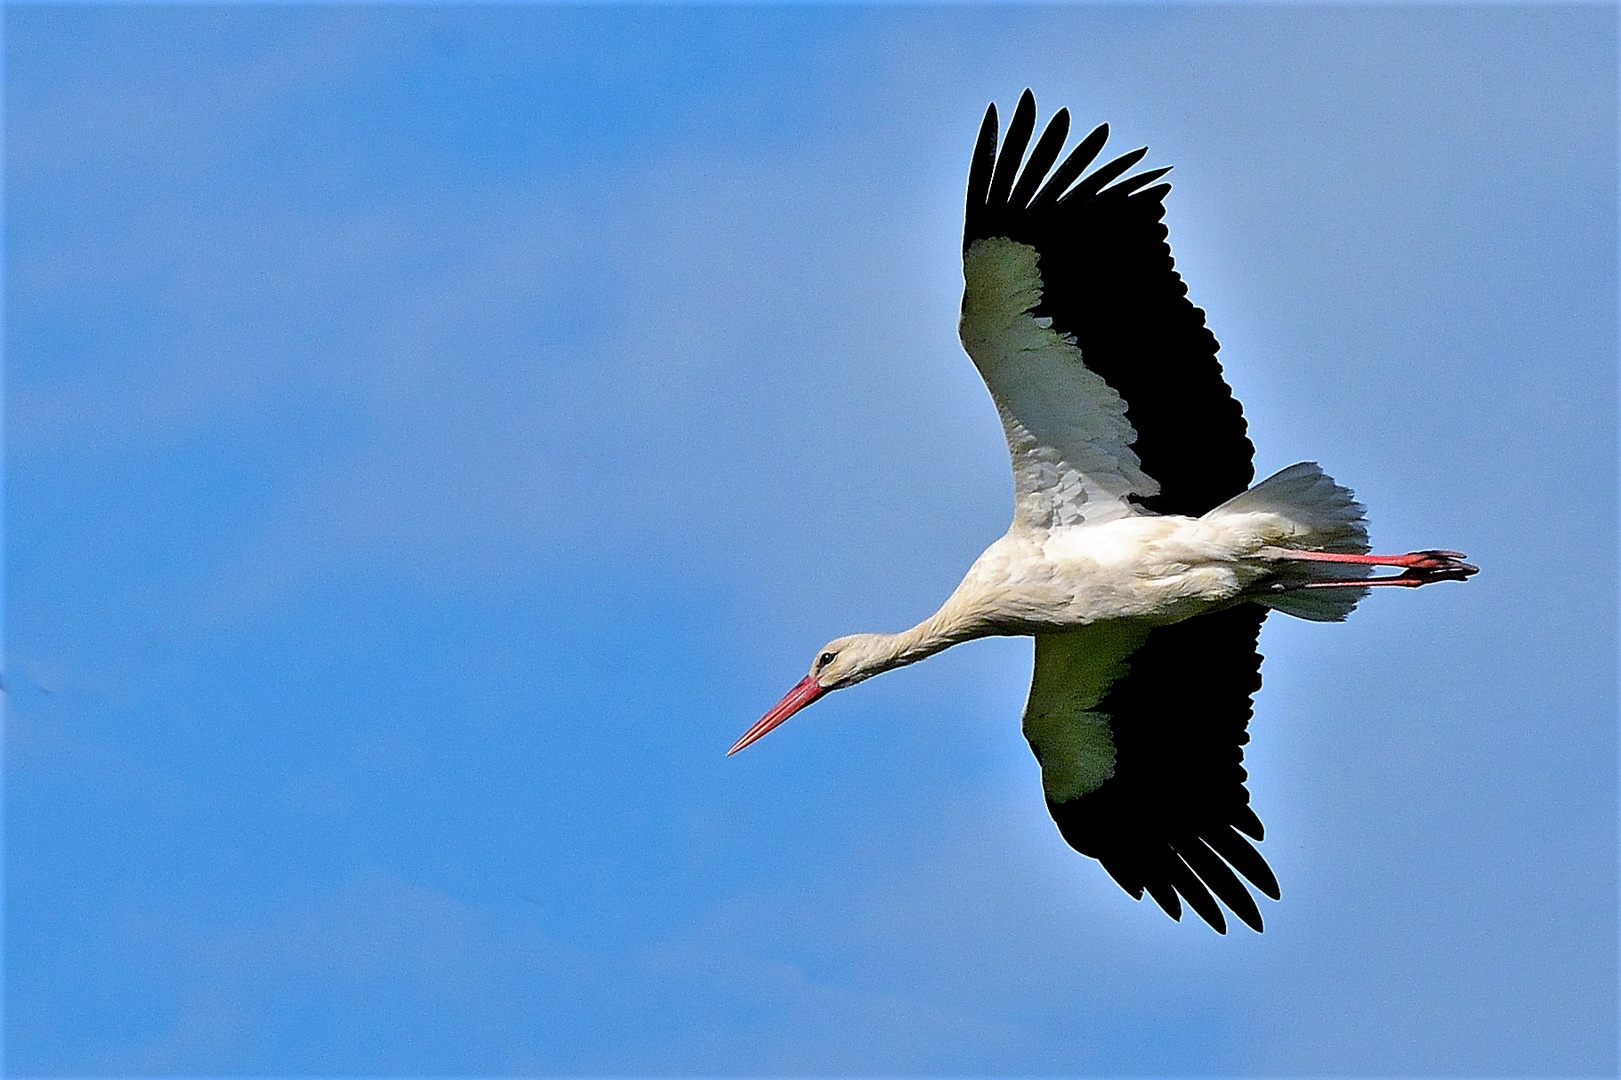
1418,567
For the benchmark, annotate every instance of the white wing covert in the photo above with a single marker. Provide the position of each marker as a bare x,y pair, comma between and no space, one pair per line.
1066,428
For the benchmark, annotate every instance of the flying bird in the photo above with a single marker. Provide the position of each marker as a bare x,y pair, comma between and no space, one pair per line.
1139,558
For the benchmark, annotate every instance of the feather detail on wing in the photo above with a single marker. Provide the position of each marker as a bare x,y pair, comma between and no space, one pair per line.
1140,734
1104,373
1066,428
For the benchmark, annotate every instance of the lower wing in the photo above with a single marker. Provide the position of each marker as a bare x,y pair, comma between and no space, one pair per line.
1140,733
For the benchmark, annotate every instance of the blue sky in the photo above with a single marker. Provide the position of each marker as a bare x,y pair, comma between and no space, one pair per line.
433,434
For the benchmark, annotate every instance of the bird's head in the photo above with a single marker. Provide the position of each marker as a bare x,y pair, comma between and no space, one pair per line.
841,662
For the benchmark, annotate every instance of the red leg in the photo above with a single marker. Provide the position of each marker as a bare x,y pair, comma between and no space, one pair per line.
1416,560
1419,568
1410,579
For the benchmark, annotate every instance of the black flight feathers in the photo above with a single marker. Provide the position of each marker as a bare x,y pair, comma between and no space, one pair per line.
1173,819
992,197
1109,282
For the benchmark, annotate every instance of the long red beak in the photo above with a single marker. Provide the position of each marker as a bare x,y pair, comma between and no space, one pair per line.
804,692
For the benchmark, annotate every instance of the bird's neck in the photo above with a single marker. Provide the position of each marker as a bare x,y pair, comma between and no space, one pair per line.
939,631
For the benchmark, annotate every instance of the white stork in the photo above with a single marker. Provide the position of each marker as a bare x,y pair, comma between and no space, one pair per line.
1139,558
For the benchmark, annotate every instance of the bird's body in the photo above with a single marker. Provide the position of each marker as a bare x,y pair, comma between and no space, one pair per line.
1153,569
1139,557
1161,569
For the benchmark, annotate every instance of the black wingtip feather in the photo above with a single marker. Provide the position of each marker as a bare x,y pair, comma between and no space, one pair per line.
1220,879
1079,158
980,168
1041,159
1142,179
1122,878
1245,821
1186,882
1105,174
1165,896
1011,155
1243,858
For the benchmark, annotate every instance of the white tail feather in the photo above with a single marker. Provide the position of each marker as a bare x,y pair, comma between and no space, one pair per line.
1332,521
1315,605
1308,496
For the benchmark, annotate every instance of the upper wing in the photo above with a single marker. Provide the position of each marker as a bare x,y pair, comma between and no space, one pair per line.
1104,374
1140,734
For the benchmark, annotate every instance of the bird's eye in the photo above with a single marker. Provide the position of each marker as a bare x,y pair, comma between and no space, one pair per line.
824,660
